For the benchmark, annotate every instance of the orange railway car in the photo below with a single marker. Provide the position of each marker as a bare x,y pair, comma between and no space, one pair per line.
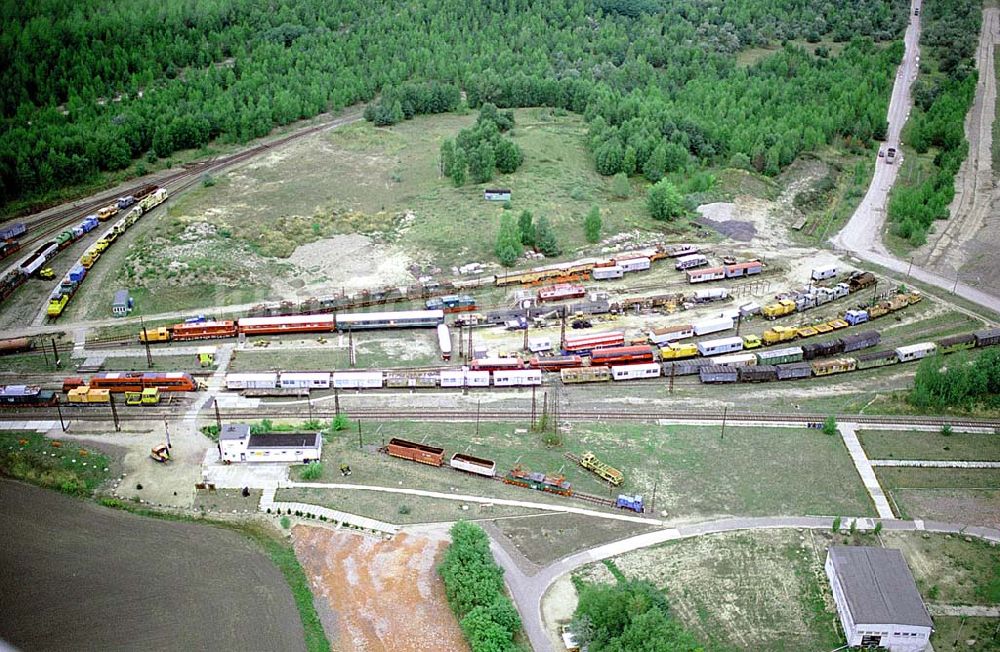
137,381
203,331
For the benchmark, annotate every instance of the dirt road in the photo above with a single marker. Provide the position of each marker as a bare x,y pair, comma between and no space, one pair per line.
82,577
973,220
862,235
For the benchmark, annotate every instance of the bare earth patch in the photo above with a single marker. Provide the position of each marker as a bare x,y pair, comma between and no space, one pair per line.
349,262
379,595
972,506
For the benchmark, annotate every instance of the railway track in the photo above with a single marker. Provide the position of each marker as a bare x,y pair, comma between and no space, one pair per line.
103,413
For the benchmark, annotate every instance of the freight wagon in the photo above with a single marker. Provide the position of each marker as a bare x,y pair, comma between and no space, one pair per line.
585,375
451,303
794,371
823,273
822,349
12,231
757,373
779,309
718,374
474,465
715,294
633,264
15,345
873,359
682,250
835,366
622,355
987,337
779,356
633,371
685,368
26,396
863,340
717,347
915,351
860,280
956,343
779,334
409,450
496,364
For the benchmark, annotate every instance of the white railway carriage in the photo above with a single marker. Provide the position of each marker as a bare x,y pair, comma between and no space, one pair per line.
712,326
717,347
634,264
300,379
539,344
689,262
357,379
633,371
471,464
736,360
252,381
402,319
517,378
915,351
667,334
464,378
607,273
444,341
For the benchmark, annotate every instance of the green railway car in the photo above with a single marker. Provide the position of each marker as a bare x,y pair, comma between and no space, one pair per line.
956,343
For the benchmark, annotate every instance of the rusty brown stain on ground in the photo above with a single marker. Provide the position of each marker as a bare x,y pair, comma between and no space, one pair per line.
382,595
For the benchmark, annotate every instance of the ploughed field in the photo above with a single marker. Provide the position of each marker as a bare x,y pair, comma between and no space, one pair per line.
81,577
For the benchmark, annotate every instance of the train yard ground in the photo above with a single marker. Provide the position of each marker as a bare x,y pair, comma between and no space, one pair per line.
922,445
939,494
767,589
695,472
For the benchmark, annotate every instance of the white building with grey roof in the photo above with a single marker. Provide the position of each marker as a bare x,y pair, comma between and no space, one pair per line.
877,599
238,444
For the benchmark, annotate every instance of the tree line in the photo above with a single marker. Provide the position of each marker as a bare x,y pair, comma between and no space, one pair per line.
474,586
962,381
941,101
93,85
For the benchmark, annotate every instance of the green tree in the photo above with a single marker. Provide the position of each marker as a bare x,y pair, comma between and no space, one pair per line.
830,425
545,239
459,165
620,186
508,155
482,163
656,165
447,157
526,228
508,243
592,225
664,201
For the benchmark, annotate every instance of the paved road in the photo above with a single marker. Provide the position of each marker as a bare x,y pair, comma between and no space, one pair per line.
529,590
862,235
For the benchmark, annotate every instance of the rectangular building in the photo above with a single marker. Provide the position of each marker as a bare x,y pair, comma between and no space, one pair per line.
122,304
237,444
877,599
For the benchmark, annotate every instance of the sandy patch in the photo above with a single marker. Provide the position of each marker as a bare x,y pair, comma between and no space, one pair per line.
558,605
349,262
386,595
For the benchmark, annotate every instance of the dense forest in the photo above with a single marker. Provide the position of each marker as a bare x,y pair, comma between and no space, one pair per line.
942,96
91,85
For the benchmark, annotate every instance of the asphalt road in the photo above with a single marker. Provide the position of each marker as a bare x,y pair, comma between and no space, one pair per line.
862,235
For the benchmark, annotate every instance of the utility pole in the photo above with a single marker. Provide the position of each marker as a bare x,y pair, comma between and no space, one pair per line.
336,401
166,429
725,410
55,352
468,350
145,340
479,405
45,354
218,417
652,504
739,322
359,435
526,323
309,401
114,412
955,287
59,410
909,268
533,404
461,342
673,372
562,329
350,347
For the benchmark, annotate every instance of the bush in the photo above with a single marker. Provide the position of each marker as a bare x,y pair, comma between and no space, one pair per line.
620,186
592,225
836,525
830,425
339,422
545,239
286,522
404,509
946,430
313,471
664,201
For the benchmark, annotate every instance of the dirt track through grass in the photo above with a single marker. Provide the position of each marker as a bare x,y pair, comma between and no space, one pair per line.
82,577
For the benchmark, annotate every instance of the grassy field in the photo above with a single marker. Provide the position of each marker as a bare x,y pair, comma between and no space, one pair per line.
917,445
34,361
548,537
753,471
831,200
767,590
914,169
952,633
160,363
969,496
63,466
398,508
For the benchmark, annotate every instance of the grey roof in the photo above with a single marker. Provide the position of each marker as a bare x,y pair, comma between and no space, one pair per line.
121,297
878,586
285,440
232,431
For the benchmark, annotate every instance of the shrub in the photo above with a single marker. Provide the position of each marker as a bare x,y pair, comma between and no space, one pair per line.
339,422
404,509
620,187
592,225
313,471
664,201
286,522
836,524
946,430
830,425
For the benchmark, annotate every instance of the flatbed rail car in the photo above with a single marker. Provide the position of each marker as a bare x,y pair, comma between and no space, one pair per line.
408,450
554,484
585,375
601,469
